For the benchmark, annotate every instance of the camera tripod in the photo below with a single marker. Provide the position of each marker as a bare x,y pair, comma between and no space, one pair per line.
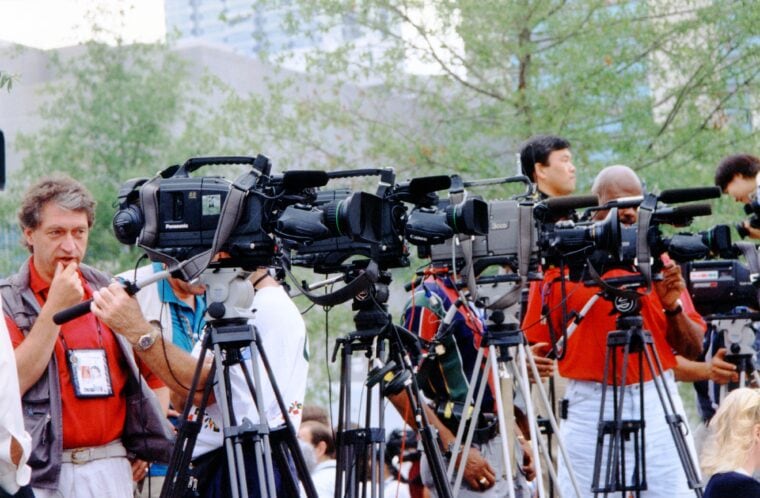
631,338
229,335
360,451
503,345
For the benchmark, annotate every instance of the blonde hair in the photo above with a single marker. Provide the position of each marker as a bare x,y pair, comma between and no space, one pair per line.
730,436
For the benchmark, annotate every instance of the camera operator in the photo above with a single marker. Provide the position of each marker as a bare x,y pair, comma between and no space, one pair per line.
178,308
673,323
444,381
81,433
283,335
737,176
547,161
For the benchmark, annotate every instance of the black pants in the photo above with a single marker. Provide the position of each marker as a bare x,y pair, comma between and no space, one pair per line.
24,492
216,483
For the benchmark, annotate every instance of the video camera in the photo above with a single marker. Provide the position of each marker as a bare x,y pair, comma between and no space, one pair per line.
175,217
572,243
507,232
392,223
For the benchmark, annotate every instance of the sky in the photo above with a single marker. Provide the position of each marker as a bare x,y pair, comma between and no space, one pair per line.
58,23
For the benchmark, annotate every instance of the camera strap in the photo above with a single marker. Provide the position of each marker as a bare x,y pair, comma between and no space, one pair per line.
643,251
359,284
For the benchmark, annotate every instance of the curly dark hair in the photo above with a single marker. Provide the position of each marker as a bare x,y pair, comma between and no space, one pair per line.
738,164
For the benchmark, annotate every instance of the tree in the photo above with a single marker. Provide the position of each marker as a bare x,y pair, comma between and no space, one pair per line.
115,113
658,85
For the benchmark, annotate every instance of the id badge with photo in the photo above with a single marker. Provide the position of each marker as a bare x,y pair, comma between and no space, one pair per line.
89,373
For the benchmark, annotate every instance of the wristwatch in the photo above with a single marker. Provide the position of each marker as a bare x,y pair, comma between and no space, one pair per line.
675,311
145,341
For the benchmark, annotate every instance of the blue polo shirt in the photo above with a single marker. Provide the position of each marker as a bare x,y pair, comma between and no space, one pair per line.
187,324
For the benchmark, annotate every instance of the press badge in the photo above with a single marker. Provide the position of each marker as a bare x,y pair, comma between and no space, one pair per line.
89,372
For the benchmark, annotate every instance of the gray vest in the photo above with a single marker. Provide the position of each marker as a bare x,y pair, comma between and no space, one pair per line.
146,432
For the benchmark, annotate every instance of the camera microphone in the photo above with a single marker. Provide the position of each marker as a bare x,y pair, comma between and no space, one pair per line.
682,215
301,179
554,208
427,184
676,195
568,202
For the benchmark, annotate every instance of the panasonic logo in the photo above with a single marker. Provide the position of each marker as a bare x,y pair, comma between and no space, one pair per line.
175,226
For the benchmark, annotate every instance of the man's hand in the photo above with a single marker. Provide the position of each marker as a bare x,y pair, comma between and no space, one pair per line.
66,288
120,312
671,286
753,233
478,473
544,365
722,371
528,470
139,470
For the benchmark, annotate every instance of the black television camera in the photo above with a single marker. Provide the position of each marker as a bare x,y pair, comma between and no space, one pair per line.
719,286
572,243
175,217
392,223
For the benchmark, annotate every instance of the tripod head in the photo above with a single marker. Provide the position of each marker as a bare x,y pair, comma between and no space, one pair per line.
229,294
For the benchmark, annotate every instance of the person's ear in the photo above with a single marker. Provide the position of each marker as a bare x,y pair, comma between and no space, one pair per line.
539,170
321,448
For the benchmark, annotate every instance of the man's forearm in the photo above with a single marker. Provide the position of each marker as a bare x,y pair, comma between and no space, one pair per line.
404,407
690,371
34,352
685,335
174,366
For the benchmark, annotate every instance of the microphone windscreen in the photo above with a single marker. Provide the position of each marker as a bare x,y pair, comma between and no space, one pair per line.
427,184
688,194
693,210
568,202
301,179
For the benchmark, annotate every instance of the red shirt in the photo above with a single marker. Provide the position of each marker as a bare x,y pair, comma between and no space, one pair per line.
92,421
586,348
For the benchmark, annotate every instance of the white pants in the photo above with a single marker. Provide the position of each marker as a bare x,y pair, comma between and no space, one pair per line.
664,472
103,478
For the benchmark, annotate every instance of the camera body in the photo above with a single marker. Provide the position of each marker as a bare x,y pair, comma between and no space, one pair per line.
176,217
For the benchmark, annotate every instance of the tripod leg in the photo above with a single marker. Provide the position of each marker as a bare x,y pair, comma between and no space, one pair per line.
344,423
521,374
675,421
502,417
555,427
267,449
467,401
176,481
291,441
227,422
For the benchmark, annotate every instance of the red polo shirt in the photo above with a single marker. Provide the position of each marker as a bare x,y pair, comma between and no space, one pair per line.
586,348
91,421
